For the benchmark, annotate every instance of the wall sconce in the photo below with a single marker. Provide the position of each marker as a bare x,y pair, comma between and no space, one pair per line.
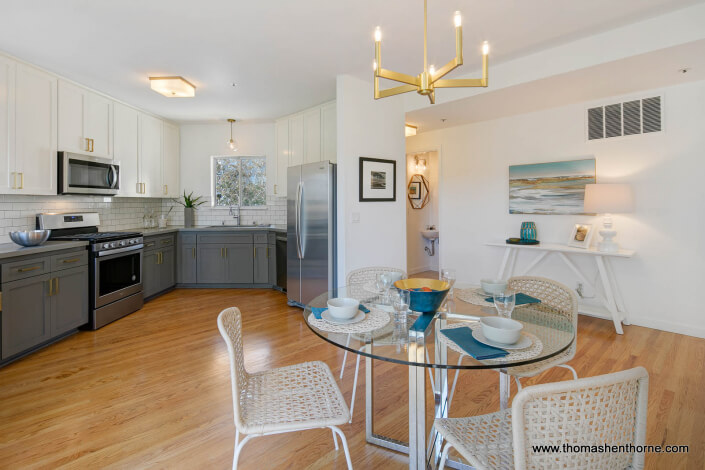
420,164
410,130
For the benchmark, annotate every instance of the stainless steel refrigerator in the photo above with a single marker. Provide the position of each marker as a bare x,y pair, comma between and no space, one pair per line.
311,231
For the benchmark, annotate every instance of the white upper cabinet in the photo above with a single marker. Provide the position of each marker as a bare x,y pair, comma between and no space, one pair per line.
7,106
35,131
85,121
312,135
170,160
296,140
150,155
305,137
329,139
282,136
126,149
27,129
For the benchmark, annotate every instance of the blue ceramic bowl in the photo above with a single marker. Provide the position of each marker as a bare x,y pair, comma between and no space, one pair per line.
421,301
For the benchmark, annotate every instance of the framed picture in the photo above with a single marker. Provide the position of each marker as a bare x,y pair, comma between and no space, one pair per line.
415,190
378,180
581,236
550,188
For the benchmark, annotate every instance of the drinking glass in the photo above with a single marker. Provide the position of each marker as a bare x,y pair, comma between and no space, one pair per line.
386,281
504,303
449,276
400,301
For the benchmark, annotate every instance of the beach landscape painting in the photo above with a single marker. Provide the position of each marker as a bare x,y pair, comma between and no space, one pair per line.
550,188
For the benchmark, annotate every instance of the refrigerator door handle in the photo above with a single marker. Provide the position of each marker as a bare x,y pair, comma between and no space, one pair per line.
302,248
298,220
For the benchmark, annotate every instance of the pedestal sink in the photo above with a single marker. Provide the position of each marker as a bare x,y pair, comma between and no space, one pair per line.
430,234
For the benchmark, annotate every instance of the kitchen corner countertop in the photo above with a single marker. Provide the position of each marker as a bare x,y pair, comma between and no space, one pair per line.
11,250
205,228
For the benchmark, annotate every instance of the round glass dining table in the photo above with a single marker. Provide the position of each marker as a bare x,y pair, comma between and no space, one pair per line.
420,342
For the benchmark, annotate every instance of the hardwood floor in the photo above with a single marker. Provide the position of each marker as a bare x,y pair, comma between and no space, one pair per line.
153,390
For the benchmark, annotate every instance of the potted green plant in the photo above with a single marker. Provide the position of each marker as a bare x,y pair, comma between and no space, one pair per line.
190,204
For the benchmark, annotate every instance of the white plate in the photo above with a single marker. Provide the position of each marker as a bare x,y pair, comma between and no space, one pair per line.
524,341
339,321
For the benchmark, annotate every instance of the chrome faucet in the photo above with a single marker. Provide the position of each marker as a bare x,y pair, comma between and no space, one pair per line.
236,217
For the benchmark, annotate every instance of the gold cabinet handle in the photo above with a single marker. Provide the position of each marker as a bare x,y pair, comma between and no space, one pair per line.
166,189
254,250
92,145
144,188
166,242
51,287
21,180
24,270
193,251
88,144
221,252
267,251
226,251
72,260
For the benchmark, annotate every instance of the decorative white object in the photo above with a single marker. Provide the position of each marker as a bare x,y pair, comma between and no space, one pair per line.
287,399
608,199
610,297
343,308
501,330
606,408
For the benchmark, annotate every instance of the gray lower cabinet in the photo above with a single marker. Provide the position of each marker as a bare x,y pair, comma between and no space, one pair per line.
272,262
261,264
187,265
45,305
150,276
158,265
69,300
26,314
240,264
211,264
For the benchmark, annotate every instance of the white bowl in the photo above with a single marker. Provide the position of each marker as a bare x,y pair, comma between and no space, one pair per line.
501,330
493,286
343,308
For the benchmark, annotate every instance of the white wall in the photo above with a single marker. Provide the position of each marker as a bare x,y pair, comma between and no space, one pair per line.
662,284
368,128
417,260
199,142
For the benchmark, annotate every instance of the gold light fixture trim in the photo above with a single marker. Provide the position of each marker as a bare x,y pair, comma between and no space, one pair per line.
410,130
232,143
173,87
427,81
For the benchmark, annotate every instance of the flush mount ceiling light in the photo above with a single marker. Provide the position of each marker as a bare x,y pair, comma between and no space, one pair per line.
410,130
173,87
232,143
427,81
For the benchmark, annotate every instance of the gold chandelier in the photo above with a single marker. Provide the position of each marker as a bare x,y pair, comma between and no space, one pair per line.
427,81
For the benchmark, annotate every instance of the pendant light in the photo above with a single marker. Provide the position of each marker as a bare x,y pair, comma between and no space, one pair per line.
232,143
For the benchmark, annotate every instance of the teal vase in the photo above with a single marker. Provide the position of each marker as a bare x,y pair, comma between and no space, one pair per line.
528,231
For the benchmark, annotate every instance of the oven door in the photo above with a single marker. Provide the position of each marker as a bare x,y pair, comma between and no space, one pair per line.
81,174
116,275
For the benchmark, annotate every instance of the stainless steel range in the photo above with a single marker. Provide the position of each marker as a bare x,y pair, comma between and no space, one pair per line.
115,281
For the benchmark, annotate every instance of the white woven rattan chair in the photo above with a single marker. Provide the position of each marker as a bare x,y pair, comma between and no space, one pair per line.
358,278
561,300
607,409
288,399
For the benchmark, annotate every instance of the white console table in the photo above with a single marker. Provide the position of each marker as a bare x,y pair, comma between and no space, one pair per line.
610,296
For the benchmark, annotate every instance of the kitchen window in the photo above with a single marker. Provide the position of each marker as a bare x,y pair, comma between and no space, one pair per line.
240,181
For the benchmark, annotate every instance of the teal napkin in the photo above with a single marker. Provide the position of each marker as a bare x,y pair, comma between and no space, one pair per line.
521,299
463,337
318,311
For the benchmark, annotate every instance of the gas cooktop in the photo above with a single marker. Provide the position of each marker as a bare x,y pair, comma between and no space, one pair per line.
97,236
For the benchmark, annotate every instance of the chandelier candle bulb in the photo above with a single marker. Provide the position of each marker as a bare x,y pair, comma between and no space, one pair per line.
378,34
485,48
457,19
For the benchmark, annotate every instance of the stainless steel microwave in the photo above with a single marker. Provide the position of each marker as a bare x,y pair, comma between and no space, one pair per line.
83,174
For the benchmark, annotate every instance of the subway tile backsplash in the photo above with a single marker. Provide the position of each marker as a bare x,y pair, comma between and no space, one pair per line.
18,212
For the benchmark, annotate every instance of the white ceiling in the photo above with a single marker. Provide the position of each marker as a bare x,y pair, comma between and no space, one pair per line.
282,54
632,75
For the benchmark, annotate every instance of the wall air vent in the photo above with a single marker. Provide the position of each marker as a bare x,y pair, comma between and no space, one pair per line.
628,118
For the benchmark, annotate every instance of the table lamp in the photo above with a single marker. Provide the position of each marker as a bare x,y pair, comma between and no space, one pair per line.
608,199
